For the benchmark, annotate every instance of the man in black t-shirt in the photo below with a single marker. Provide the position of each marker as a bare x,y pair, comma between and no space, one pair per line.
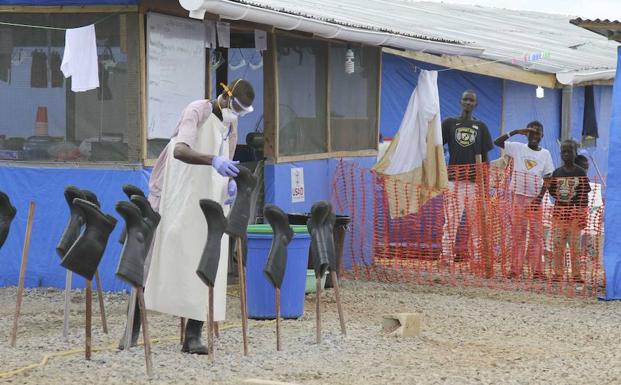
468,139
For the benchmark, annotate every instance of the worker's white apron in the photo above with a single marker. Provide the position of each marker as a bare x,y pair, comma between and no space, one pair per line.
172,285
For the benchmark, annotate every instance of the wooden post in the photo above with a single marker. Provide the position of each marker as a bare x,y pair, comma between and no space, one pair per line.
335,285
278,319
318,308
242,293
67,302
181,330
100,298
487,258
22,272
89,317
145,330
216,329
210,326
131,313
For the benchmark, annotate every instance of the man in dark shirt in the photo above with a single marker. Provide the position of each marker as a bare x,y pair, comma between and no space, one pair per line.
569,186
468,141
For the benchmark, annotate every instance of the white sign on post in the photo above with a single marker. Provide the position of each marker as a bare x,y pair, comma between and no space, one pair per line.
297,184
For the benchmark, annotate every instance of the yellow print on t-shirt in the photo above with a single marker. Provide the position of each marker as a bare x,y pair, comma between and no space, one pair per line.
465,136
530,163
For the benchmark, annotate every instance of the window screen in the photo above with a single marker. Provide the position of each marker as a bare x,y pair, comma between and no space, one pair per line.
42,119
302,84
353,98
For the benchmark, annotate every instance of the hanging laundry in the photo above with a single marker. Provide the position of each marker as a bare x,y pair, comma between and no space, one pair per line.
6,50
38,69
414,163
57,76
589,121
80,58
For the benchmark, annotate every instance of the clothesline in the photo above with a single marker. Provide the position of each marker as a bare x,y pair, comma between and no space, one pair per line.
502,60
48,27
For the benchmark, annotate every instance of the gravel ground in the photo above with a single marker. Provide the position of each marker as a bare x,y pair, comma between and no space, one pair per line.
469,336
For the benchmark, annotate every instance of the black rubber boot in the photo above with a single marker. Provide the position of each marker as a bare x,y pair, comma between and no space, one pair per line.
239,217
277,259
91,197
129,190
192,341
74,226
85,254
136,246
7,213
216,223
321,228
149,215
135,329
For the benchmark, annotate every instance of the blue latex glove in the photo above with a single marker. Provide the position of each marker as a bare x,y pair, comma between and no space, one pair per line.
225,166
232,191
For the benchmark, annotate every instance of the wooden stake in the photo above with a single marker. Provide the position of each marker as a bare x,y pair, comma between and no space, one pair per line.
242,293
210,326
89,317
216,329
68,276
131,313
181,330
100,298
22,272
278,319
487,258
318,308
145,330
335,286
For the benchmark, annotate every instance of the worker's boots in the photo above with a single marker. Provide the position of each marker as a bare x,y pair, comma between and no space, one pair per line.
192,341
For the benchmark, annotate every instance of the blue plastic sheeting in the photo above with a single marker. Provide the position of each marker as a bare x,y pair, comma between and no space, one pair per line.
522,107
45,186
318,177
612,246
399,79
67,2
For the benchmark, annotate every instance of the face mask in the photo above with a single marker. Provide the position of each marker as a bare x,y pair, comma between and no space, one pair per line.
228,116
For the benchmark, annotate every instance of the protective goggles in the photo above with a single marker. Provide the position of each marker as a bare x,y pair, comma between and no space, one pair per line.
236,105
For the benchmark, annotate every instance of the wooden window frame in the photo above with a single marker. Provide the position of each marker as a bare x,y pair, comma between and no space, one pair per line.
271,101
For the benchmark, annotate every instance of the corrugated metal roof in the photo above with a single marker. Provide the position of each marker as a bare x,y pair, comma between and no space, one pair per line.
610,29
506,35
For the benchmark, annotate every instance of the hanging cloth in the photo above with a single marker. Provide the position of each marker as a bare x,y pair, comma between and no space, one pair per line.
38,70
589,121
413,164
80,58
172,284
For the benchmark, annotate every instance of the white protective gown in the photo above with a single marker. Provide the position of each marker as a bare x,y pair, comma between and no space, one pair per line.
172,285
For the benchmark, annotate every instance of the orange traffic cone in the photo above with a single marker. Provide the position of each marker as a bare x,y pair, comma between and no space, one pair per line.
41,121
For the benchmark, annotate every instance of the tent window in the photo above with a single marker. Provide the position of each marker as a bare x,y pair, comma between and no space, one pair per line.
43,120
353,98
302,90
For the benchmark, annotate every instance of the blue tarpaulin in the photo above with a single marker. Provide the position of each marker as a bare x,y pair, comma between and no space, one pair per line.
612,246
45,186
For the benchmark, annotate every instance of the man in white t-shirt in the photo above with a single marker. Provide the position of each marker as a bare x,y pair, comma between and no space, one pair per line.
530,164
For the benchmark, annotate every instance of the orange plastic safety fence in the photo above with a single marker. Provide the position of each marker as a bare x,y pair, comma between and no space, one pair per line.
491,227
